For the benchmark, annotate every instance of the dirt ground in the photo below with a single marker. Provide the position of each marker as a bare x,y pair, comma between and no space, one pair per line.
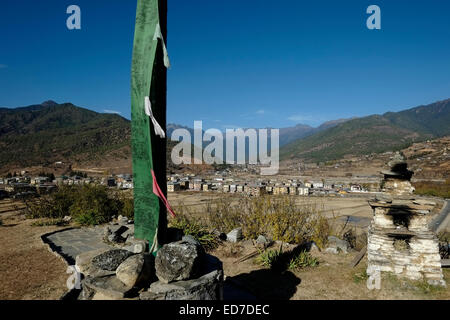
28,271
332,279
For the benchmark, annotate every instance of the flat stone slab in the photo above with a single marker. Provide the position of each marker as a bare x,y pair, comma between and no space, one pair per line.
207,287
108,286
71,242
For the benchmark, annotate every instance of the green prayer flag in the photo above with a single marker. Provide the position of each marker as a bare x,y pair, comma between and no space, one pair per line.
148,79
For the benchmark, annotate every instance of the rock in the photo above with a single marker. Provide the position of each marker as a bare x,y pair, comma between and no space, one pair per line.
67,219
221,235
235,235
102,297
147,295
384,198
190,239
111,259
424,202
262,240
337,244
84,263
135,248
207,287
122,220
106,232
179,260
136,270
86,293
312,247
129,232
115,234
109,287
138,246
332,250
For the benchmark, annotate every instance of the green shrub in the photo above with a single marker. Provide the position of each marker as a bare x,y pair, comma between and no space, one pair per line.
93,206
302,260
55,205
268,258
87,204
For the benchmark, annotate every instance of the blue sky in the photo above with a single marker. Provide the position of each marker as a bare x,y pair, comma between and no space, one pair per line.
248,63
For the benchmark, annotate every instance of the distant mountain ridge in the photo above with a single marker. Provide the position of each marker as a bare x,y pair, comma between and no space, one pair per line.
299,131
45,133
375,133
48,132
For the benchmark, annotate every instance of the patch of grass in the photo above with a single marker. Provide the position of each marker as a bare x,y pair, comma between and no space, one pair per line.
302,260
360,277
427,288
268,258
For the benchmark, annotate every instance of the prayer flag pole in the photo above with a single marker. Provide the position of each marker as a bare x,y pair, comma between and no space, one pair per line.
148,120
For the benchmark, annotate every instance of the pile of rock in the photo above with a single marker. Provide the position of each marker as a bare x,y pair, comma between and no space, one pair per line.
185,272
113,274
122,236
180,271
399,239
336,245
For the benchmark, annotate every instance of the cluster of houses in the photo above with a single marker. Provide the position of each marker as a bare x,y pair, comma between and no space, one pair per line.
24,185
257,188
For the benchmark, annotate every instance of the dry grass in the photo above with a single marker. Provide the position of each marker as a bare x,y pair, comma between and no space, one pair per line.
278,217
27,269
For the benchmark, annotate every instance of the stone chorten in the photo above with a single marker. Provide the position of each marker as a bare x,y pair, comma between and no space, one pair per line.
399,239
397,179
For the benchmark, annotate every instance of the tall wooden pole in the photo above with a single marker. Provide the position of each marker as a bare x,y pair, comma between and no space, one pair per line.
148,79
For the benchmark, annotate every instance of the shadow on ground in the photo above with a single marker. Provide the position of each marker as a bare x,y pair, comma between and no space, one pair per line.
262,284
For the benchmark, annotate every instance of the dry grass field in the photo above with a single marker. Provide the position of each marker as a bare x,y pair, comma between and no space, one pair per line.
27,269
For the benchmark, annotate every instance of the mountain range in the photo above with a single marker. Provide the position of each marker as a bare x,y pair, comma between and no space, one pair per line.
373,134
44,133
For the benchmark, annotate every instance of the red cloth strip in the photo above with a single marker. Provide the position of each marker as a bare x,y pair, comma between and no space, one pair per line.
160,194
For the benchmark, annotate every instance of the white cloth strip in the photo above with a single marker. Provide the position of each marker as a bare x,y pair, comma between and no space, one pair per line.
148,111
157,35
